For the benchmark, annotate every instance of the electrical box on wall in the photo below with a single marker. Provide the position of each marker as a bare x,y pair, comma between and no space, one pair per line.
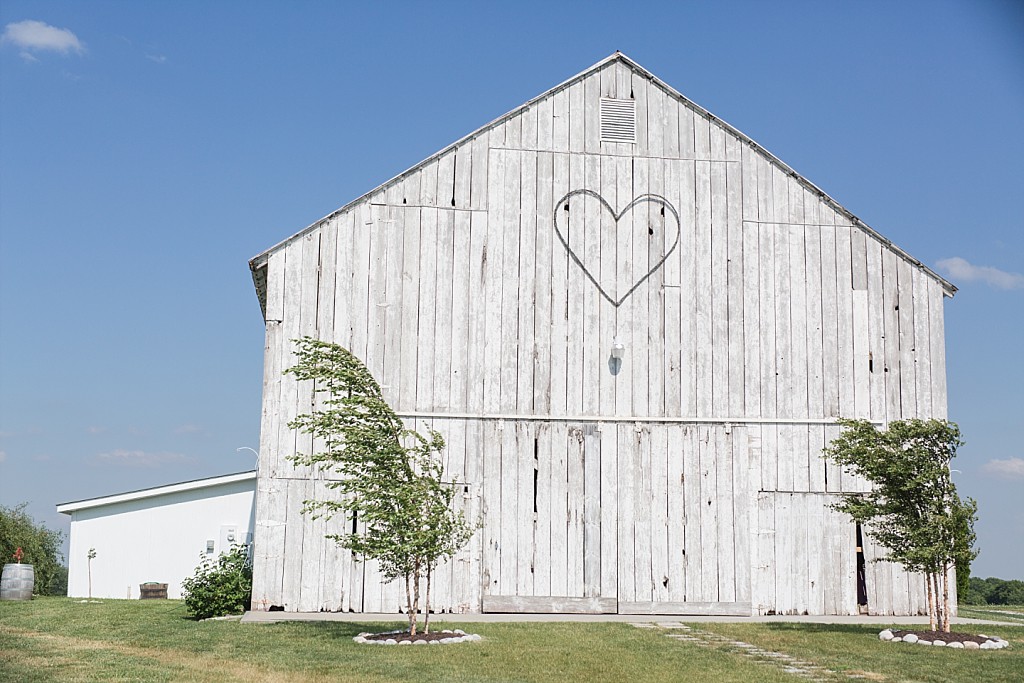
229,536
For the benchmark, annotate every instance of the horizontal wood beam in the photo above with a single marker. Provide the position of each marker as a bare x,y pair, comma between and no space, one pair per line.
619,418
724,609
519,604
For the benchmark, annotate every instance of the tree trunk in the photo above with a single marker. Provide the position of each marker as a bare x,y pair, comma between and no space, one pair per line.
415,597
426,603
409,605
945,598
932,606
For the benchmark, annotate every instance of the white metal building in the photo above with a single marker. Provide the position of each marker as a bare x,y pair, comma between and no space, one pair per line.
157,534
635,328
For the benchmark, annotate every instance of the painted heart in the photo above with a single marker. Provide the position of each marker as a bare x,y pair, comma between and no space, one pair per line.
669,210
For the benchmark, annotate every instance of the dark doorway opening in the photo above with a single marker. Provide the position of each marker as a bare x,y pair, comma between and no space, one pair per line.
862,586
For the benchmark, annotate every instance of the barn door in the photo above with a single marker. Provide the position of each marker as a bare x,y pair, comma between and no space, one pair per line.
544,546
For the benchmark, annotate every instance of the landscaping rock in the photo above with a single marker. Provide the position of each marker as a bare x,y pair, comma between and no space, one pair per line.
885,635
924,642
971,645
420,642
910,638
958,646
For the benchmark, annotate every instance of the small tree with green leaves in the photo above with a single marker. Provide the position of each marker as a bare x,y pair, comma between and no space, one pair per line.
913,509
391,476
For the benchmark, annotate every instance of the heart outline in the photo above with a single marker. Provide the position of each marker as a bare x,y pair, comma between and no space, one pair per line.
644,198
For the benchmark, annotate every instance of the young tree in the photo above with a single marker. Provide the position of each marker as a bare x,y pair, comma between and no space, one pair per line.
913,509
391,476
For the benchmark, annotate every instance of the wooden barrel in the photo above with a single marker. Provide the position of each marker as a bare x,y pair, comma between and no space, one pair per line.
152,591
17,582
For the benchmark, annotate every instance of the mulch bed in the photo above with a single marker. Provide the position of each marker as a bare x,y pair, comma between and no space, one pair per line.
400,637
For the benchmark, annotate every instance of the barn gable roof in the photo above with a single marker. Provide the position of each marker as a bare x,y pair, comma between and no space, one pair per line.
257,264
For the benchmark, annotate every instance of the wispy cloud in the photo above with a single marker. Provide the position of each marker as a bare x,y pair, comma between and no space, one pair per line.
96,430
3,456
32,37
1011,468
125,458
961,269
189,429
159,59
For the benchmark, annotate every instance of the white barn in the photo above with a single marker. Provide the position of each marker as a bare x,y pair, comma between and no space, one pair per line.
158,534
635,328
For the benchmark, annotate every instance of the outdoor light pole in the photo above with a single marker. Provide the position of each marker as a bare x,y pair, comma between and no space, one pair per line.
254,452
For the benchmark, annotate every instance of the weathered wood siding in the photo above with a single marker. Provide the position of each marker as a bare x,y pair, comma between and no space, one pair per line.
486,297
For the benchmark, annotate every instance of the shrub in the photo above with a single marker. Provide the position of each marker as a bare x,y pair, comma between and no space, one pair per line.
220,587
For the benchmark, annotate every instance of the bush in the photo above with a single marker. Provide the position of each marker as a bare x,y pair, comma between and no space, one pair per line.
40,545
219,587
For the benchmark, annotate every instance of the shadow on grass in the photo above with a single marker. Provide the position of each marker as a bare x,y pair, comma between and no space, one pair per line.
344,630
784,626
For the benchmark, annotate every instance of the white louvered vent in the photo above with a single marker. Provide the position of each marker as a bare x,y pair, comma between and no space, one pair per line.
618,120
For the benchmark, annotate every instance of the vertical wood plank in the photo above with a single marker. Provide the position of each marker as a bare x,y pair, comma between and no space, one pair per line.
763,597
675,483
575,478
703,293
707,444
876,328
725,520
559,298
937,348
719,280
494,262
425,341
922,345
905,299
511,228
444,292
736,303
546,244
609,509
527,300
462,293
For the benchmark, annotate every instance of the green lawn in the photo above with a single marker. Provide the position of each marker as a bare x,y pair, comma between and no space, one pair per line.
59,639
996,612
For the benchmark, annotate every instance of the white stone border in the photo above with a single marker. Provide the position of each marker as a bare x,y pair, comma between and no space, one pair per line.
991,642
458,636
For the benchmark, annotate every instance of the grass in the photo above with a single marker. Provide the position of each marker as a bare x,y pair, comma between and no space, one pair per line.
994,612
854,650
58,639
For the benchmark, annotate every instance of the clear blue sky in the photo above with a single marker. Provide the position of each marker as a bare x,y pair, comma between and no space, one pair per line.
148,150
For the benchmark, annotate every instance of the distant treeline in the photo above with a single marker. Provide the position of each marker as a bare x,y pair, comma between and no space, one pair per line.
992,591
